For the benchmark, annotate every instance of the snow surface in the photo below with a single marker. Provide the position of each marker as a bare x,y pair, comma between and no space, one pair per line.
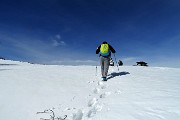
47,92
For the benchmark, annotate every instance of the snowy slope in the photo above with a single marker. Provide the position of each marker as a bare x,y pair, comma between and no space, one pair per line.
33,92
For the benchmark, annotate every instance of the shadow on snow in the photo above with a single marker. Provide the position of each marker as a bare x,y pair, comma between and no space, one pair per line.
114,74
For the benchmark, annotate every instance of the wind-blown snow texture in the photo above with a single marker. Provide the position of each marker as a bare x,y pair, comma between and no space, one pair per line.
34,92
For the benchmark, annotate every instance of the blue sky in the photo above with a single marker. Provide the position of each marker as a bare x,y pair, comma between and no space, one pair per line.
69,31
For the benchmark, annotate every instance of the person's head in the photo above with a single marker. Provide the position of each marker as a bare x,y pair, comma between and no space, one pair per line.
104,42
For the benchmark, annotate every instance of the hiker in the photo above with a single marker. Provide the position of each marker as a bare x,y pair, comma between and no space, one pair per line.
105,54
111,62
120,63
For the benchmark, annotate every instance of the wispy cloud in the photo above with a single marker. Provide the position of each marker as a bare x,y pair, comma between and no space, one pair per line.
58,36
36,50
26,47
56,41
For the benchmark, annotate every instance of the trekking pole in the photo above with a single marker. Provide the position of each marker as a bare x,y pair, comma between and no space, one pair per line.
96,68
116,61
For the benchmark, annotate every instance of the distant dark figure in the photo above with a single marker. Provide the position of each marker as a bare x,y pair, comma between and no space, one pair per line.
111,62
141,63
120,63
2,58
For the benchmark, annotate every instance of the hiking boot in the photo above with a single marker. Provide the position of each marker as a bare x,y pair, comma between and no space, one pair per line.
104,78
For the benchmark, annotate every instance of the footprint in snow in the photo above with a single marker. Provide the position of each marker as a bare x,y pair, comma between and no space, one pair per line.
103,86
66,109
90,81
78,115
100,83
92,102
118,92
104,95
94,110
96,90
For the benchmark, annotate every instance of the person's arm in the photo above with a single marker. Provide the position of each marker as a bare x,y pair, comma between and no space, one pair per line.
112,49
98,50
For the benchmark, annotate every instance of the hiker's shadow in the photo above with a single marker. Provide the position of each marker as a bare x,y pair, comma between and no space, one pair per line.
114,74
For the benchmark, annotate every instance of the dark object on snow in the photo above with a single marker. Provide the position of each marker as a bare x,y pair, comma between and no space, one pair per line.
141,63
2,58
120,63
111,63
